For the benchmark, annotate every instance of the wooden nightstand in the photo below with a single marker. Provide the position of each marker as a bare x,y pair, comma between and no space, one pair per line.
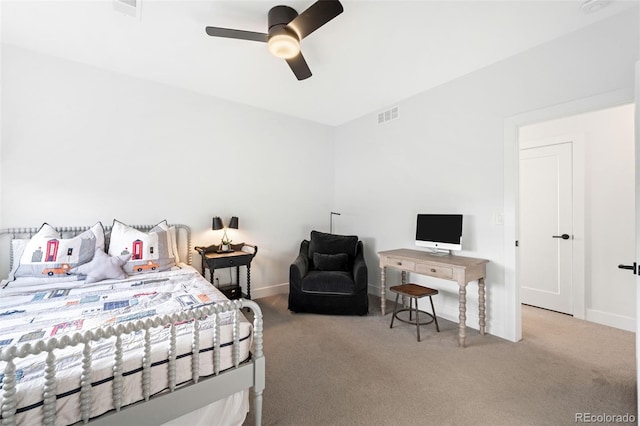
213,259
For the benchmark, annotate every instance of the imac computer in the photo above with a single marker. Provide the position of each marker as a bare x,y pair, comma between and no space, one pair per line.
440,232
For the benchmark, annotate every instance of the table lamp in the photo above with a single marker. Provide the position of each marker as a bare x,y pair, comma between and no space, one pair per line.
217,224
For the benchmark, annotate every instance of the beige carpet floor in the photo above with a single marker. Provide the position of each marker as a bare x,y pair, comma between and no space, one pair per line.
340,370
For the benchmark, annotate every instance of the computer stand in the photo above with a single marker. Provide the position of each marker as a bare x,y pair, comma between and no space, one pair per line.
441,252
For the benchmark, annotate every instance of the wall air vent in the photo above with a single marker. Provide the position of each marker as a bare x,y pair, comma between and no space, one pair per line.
128,7
388,115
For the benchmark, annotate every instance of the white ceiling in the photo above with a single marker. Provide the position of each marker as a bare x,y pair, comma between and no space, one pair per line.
373,55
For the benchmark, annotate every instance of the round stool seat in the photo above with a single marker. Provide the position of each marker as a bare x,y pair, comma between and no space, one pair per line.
413,290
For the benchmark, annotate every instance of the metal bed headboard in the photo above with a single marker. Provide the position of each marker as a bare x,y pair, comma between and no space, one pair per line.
183,236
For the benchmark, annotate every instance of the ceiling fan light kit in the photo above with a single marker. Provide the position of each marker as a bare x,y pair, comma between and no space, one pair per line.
285,31
283,46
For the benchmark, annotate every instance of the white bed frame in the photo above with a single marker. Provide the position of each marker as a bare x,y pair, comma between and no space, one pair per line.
166,406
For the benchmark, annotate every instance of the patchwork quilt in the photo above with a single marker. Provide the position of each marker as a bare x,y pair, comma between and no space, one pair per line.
34,310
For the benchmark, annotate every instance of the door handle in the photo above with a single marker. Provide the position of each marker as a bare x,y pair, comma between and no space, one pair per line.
629,267
563,236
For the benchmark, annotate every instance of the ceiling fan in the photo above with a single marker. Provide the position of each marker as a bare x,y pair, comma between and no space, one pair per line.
286,29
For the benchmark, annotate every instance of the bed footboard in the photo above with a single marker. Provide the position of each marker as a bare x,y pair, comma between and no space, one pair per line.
172,403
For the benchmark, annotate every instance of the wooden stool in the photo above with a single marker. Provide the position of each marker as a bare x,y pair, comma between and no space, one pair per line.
414,292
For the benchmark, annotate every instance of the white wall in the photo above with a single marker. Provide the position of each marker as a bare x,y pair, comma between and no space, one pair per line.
609,156
81,144
445,154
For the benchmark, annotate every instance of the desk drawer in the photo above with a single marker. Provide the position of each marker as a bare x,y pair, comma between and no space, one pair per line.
407,265
435,271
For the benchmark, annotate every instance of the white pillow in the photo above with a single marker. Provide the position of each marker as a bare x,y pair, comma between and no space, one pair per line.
47,254
150,251
17,248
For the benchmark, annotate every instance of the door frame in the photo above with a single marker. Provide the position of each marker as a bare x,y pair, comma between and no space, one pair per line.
637,142
513,326
578,207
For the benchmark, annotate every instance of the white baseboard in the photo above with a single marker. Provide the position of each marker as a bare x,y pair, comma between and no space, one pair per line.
374,289
612,320
273,290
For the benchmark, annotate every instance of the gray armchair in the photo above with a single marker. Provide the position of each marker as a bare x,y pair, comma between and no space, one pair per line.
329,276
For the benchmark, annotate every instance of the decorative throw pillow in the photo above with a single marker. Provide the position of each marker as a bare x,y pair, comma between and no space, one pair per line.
102,267
48,254
331,262
324,243
150,251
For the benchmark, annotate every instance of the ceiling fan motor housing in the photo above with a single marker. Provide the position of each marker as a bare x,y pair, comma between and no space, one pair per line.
279,17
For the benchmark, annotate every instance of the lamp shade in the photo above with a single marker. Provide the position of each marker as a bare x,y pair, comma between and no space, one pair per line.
216,223
233,223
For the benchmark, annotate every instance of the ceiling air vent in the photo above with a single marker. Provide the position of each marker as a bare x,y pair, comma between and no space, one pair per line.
592,6
388,115
128,7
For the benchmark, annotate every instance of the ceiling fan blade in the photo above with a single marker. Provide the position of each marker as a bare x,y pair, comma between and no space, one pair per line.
315,16
239,34
299,67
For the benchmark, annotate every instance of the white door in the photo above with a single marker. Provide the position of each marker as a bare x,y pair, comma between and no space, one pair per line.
546,226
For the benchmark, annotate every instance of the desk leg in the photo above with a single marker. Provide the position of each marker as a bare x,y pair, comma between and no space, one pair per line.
462,327
403,281
383,291
481,305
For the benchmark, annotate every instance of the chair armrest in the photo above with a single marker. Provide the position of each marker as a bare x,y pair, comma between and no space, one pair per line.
298,270
304,248
360,271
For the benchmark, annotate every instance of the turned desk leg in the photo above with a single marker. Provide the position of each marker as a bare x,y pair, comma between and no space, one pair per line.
481,305
403,281
462,327
383,292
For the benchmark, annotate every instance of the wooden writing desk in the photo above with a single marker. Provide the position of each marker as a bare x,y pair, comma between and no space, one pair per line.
454,268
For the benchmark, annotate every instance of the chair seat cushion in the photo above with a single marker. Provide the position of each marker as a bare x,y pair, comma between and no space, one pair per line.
328,282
